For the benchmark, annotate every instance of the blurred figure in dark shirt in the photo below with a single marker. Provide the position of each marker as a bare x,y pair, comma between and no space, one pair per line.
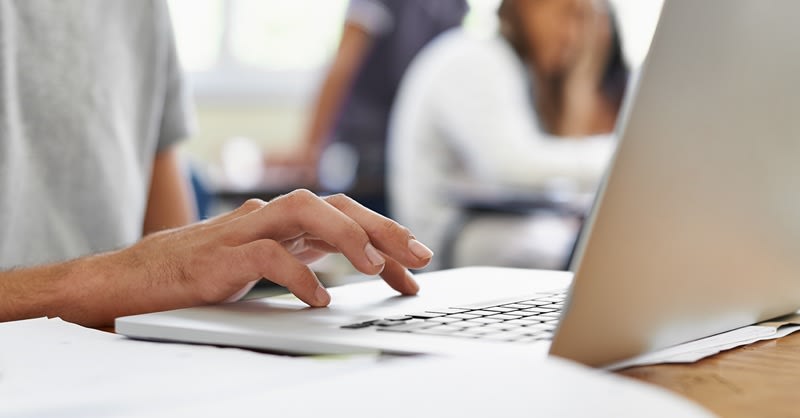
345,142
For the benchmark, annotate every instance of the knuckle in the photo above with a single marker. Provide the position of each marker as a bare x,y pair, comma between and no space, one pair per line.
267,250
389,229
252,204
340,200
354,233
297,199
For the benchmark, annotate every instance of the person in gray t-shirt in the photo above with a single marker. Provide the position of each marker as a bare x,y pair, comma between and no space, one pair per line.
91,106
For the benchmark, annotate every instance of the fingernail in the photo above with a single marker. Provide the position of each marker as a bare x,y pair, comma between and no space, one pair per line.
419,249
412,282
373,255
322,295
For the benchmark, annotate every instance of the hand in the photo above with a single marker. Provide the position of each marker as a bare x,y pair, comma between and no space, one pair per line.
212,261
582,102
595,43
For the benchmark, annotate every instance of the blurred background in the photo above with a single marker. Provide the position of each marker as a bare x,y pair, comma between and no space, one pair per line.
256,67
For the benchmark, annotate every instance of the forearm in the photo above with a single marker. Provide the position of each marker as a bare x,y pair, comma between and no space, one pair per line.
73,290
328,102
581,102
170,203
91,291
353,47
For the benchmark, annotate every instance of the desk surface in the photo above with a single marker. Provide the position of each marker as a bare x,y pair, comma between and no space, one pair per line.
759,380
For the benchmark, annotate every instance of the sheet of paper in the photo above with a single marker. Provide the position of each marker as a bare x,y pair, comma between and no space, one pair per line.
696,350
501,386
52,368
49,367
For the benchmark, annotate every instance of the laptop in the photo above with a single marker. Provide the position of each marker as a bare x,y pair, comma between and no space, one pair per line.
696,229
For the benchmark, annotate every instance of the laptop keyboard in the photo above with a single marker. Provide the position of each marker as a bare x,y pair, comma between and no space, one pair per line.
523,321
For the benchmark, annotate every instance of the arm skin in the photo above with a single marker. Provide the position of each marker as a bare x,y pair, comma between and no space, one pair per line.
209,261
170,203
353,47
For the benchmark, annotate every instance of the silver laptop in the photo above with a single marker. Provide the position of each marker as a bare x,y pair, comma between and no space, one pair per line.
696,230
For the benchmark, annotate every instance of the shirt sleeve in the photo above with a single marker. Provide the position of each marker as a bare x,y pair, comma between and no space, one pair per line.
177,117
483,107
374,16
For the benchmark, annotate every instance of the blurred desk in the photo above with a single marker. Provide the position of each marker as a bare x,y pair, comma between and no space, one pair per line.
758,380
272,183
478,200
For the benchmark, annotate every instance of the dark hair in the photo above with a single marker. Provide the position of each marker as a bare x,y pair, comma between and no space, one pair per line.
615,77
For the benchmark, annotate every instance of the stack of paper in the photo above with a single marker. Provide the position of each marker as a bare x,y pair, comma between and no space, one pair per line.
705,347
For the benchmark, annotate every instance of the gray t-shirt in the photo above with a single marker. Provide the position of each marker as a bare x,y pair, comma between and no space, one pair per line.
90,91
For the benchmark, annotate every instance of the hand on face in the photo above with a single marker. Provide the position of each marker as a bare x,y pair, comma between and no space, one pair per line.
594,43
214,260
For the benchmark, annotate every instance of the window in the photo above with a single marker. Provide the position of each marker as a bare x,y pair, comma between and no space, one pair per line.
275,50
256,48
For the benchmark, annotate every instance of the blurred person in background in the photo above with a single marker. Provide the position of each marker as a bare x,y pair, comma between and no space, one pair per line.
345,144
529,109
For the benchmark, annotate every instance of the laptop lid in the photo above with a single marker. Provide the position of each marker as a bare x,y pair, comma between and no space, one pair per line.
697,227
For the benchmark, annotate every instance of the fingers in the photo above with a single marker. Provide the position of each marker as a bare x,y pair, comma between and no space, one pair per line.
269,259
399,278
301,212
308,250
393,239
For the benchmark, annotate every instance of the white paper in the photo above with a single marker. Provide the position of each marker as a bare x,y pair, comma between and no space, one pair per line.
49,367
705,347
53,368
463,387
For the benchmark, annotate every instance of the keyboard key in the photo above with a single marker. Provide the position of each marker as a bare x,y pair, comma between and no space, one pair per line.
516,306
486,320
480,312
502,326
387,323
500,309
398,318
469,324
440,330
504,317
498,337
478,331
463,316
449,310
553,306
524,321
359,325
426,315
409,327
523,314
539,309
444,320
526,340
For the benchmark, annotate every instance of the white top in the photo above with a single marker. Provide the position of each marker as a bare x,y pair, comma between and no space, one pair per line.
464,114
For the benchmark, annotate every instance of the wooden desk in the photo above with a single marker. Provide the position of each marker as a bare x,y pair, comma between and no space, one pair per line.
759,380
